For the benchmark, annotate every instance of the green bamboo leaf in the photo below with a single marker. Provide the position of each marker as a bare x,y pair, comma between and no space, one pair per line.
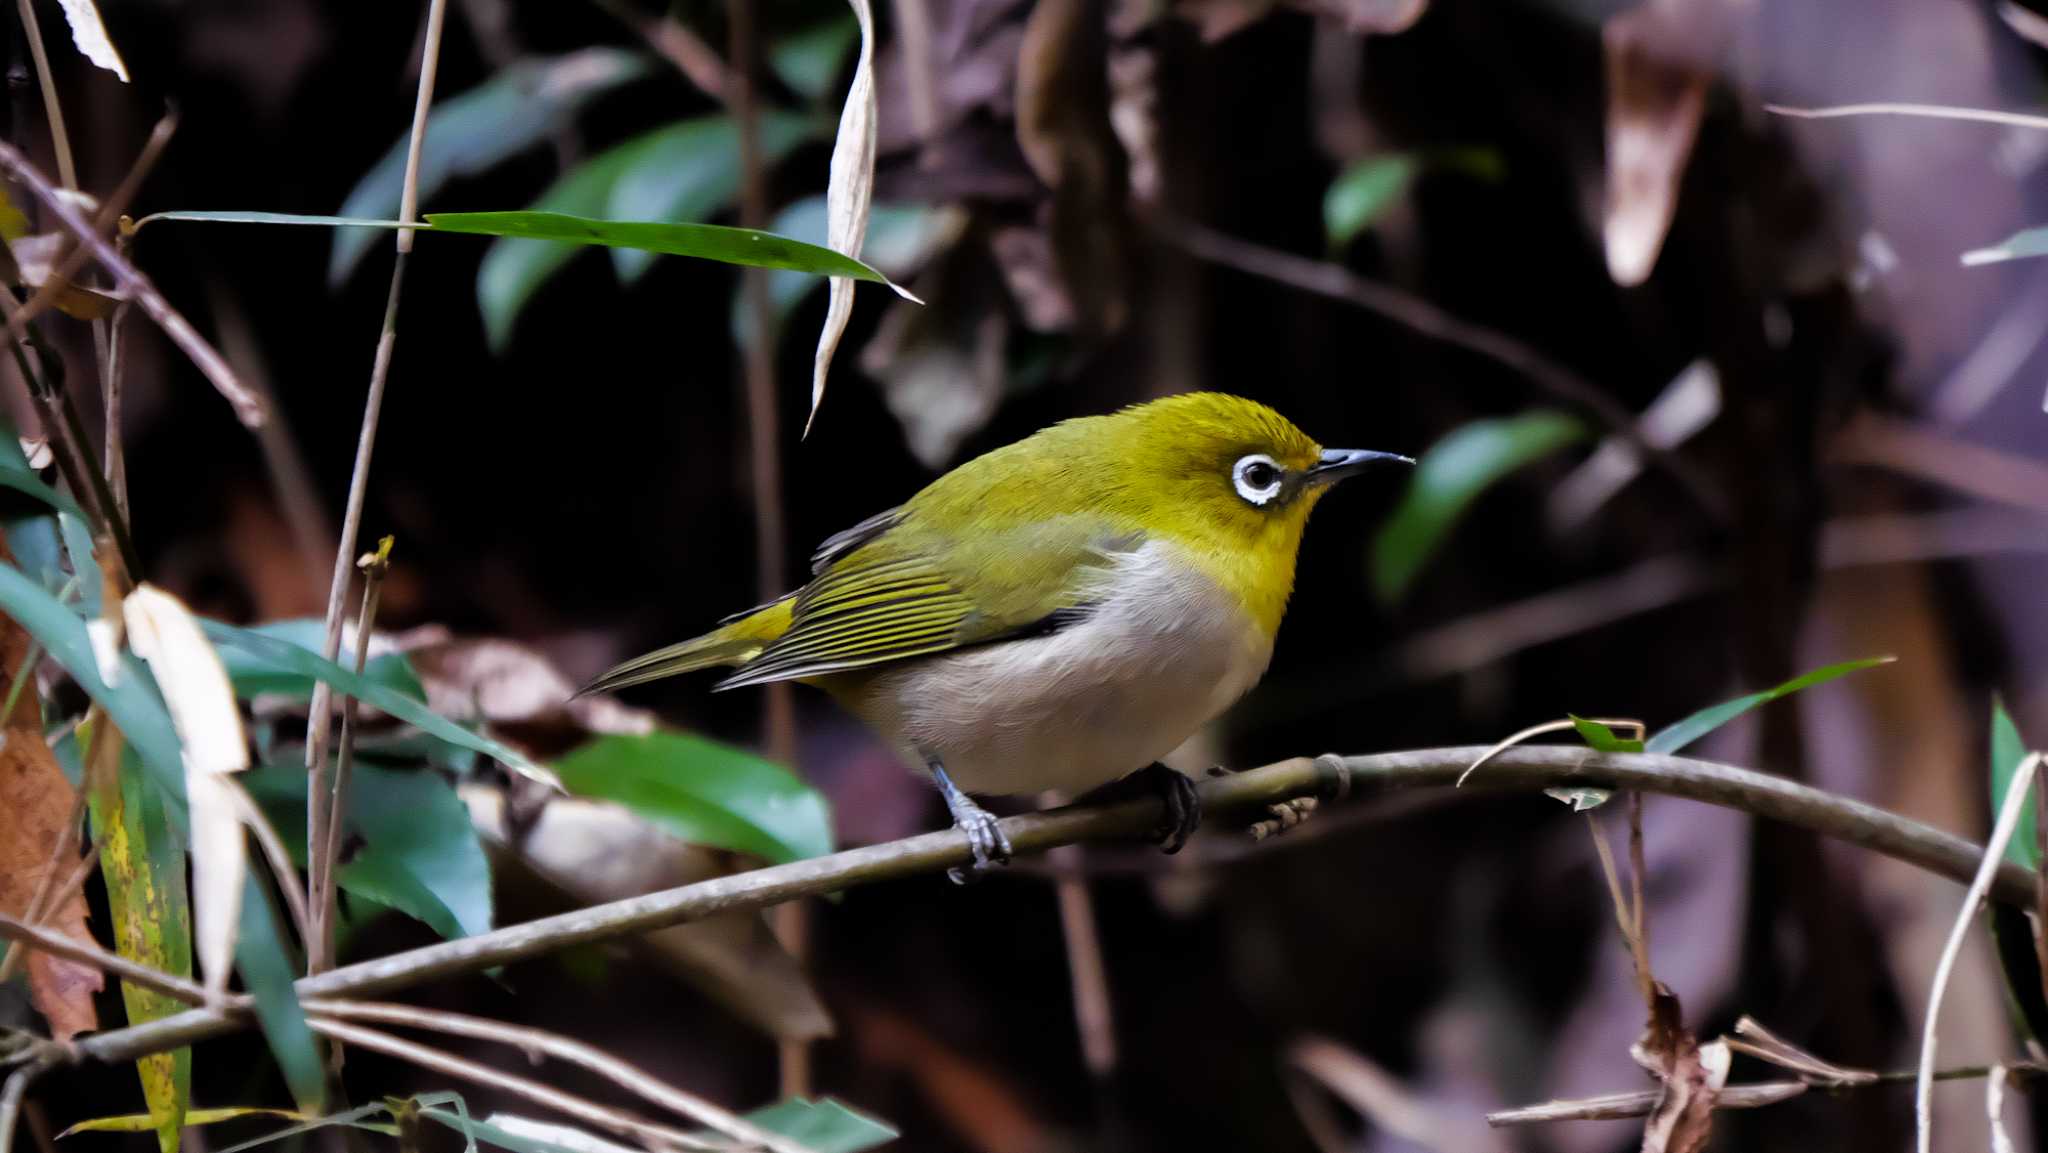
2020,245
144,1122
142,862
1692,728
17,475
131,701
283,656
266,967
420,854
901,237
243,216
1448,478
824,1126
1602,738
356,1118
476,130
1363,192
251,674
2007,751
704,792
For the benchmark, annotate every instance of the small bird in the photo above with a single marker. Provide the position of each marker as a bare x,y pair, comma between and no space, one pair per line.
1056,614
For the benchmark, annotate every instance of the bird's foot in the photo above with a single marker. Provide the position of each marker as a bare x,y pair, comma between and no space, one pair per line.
1174,789
985,836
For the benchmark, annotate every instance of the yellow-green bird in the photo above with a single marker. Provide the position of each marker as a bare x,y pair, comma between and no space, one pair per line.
1056,614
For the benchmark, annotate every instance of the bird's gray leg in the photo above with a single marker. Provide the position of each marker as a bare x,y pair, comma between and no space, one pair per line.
991,846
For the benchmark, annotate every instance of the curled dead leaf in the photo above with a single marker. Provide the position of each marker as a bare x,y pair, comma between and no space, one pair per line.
1655,97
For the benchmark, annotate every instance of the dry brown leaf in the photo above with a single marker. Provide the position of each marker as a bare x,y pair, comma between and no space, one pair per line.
1655,96
31,260
37,806
164,633
510,685
1692,1075
849,194
597,852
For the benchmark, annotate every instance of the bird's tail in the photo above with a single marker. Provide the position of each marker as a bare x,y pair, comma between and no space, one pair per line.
737,640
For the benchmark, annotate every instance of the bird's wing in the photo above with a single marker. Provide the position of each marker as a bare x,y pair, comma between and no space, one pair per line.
906,591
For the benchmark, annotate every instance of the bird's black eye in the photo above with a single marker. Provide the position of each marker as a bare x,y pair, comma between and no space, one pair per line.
1257,478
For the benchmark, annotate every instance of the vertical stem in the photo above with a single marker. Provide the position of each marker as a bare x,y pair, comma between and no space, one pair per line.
60,140
770,535
321,877
320,719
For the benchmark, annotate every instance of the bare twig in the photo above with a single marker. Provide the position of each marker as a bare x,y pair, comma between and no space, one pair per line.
65,267
111,364
60,140
674,42
2010,809
274,852
1897,108
1619,1106
320,716
1094,1013
47,940
138,286
451,1065
536,1042
321,878
1339,283
1931,455
11,1097
1525,768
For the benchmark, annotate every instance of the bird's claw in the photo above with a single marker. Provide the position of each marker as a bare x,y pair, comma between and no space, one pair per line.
985,837
1183,808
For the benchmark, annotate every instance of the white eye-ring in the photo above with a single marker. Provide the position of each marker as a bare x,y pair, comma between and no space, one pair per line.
1257,477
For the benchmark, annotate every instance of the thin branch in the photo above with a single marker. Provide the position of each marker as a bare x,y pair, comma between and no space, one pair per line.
320,715
451,1065
66,266
1525,768
1339,283
535,1042
2010,810
674,42
110,400
1621,1106
138,286
321,879
11,1098
1897,108
275,853
47,940
60,140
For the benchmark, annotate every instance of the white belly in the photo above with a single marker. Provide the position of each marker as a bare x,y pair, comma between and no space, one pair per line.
1166,651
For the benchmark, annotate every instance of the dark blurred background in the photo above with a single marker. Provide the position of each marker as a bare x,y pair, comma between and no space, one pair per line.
1867,478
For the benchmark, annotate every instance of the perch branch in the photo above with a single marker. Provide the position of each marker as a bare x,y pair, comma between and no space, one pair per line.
1523,768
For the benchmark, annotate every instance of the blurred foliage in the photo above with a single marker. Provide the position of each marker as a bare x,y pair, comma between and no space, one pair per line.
704,792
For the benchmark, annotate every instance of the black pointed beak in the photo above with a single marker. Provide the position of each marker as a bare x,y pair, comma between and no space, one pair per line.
1338,463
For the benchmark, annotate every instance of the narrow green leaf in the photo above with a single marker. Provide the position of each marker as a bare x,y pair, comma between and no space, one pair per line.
1692,728
1580,799
1602,738
143,1122
17,475
142,863
284,656
251,674
2020,245
476,130
1450,476
131,701
810,60
824,1126
2007,751
1363,192
353,1118
706,241
266,968
474,1130
84,565
704,792
419,855
242,216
